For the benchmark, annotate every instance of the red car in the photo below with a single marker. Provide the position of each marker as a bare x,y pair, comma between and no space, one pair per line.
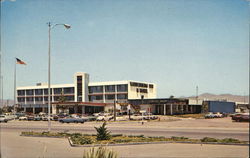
240,117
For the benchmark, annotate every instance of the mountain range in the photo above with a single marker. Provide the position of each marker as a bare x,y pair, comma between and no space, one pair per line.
228,97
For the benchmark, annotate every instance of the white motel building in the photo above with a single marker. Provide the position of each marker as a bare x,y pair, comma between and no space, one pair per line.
82,96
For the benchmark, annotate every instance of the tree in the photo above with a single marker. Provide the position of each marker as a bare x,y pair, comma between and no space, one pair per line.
171,97
102,132
62,98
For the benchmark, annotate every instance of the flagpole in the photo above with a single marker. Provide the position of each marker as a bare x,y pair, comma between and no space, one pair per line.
49,92
15,85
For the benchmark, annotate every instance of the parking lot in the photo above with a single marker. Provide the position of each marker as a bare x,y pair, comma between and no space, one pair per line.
167,126
14,145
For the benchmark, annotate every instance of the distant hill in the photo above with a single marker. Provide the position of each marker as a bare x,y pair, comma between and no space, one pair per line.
228,97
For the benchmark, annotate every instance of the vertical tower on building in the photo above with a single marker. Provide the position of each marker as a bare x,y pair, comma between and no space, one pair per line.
81,80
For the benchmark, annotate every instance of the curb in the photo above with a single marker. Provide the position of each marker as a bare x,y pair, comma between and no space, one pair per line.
141,143
42,136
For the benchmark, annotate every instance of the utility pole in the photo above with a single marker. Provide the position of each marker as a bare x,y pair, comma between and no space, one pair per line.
196,95
114,110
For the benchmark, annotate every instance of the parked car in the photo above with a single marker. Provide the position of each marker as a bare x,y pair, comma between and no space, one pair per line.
45,118
218,115
21,118
72,120
240,117
37,118
104,118
55,117
210,115
3,119
30,117
91,118
244,117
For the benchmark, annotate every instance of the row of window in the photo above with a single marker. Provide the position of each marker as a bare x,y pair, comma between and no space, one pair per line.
109,88
135,84
108,97
69,90
141,90
40,99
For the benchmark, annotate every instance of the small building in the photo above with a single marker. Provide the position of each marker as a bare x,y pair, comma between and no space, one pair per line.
218,106
165,106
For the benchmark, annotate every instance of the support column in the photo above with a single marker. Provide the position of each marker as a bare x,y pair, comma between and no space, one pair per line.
75,109
24,108
171,109
164,109
83,109
33,110
53,109
43,109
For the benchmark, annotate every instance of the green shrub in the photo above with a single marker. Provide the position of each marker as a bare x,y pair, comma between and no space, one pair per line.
208,139
103,133
101,152
122,140
82,140
230,140
179,138
76,135
116,135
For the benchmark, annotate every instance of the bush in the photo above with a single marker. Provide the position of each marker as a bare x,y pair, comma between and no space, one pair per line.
76,135
82,140
116,135
101,152
103,133
208,139
179,138
230,140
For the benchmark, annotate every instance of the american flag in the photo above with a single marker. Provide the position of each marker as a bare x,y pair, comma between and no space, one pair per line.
18,61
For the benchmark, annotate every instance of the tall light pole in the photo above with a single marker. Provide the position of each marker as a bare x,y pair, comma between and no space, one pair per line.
49,92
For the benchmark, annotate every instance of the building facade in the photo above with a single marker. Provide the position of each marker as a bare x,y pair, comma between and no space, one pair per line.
82,95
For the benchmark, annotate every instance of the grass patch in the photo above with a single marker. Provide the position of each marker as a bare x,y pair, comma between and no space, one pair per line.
83,139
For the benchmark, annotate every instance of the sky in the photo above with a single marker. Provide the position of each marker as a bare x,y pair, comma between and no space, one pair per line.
177,44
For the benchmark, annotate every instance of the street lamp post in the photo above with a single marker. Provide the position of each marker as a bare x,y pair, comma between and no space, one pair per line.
49,92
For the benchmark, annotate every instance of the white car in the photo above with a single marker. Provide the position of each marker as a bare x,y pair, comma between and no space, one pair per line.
23,118
3,119
104,118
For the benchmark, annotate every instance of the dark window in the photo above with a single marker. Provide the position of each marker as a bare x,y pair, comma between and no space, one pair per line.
45,91
38,98
110,97
143,90
69,90
151,86
21,99
28,99
110,88
69,98
46,98
97,97
30,92
38,92
122,88
122,96
57,90
134,84
96,89
79,78
21,92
